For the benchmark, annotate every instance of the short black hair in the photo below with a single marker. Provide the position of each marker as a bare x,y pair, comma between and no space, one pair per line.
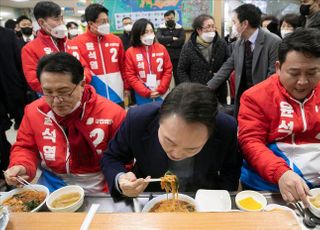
61,62
269,17
249,12
293,19
10,24
169,12
93,10
69,24
23,17
126,18
198,21
305,40
46,9
193,102
138,29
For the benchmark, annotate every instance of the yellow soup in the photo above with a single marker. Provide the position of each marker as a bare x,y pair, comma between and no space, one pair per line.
250,204
66,200
315,201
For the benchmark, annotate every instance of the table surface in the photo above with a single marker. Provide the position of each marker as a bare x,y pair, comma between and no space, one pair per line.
119,214
229,220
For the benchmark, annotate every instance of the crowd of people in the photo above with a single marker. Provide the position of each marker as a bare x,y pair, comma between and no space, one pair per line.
67,93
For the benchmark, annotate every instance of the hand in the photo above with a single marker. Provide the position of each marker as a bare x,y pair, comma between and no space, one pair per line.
127,93
154,94
175,38
127,98
131,186
12,173
293,188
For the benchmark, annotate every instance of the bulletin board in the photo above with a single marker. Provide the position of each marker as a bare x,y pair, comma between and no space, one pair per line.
186,10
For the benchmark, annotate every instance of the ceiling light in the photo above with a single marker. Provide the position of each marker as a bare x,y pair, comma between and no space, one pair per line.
19,0
4,13
80,11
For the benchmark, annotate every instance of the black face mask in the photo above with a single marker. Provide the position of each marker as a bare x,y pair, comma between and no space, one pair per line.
26,31
170,23
305,10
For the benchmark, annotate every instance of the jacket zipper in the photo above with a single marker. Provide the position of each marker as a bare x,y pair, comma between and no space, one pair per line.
103,67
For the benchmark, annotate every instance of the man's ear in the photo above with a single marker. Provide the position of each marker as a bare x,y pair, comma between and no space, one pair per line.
82,83
40,22
278,67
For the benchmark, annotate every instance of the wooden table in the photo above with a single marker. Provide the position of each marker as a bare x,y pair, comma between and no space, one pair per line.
127,221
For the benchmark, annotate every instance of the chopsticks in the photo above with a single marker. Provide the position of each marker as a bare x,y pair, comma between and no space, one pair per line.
154,180
22,181
89,217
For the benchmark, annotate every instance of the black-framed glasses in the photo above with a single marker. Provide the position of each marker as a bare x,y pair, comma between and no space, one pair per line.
60,98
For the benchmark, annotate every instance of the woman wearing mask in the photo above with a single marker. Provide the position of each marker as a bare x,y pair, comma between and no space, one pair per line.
203,54
289,23
73,30
148,67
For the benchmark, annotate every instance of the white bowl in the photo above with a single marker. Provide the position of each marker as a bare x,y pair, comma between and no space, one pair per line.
154,201
213,200
37,187
65,190
312,208
255,195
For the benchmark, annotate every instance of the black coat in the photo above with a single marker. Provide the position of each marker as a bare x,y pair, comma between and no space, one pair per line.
193,67
13,86
165,37
125,38
216,166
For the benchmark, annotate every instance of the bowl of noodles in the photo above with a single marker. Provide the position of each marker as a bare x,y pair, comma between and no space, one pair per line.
166,203
172,201
26,199
66,199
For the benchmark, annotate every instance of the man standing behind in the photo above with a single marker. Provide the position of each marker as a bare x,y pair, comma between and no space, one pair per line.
172,36
126,36
310,10
102,53
51,38
254,54
25,28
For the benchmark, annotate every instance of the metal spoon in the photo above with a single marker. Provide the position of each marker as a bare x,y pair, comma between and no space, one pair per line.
306,217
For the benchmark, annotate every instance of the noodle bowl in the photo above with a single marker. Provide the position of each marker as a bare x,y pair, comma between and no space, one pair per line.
153,205
25,199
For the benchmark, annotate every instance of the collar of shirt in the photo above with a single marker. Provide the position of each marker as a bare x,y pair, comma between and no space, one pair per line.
253,39
26,38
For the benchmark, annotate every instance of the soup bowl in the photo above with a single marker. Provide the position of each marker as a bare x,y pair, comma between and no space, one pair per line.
312,207
32,187
73,206
182,197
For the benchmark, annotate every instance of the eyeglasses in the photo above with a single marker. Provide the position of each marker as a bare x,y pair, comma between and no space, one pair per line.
60,98
208,27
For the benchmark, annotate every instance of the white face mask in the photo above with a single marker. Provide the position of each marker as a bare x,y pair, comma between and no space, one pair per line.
208,36
59,31
104,29
285,33
73,32
234,32
147,39
128,27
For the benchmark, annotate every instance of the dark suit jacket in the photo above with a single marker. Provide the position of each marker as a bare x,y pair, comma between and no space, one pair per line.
265,55
216,166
